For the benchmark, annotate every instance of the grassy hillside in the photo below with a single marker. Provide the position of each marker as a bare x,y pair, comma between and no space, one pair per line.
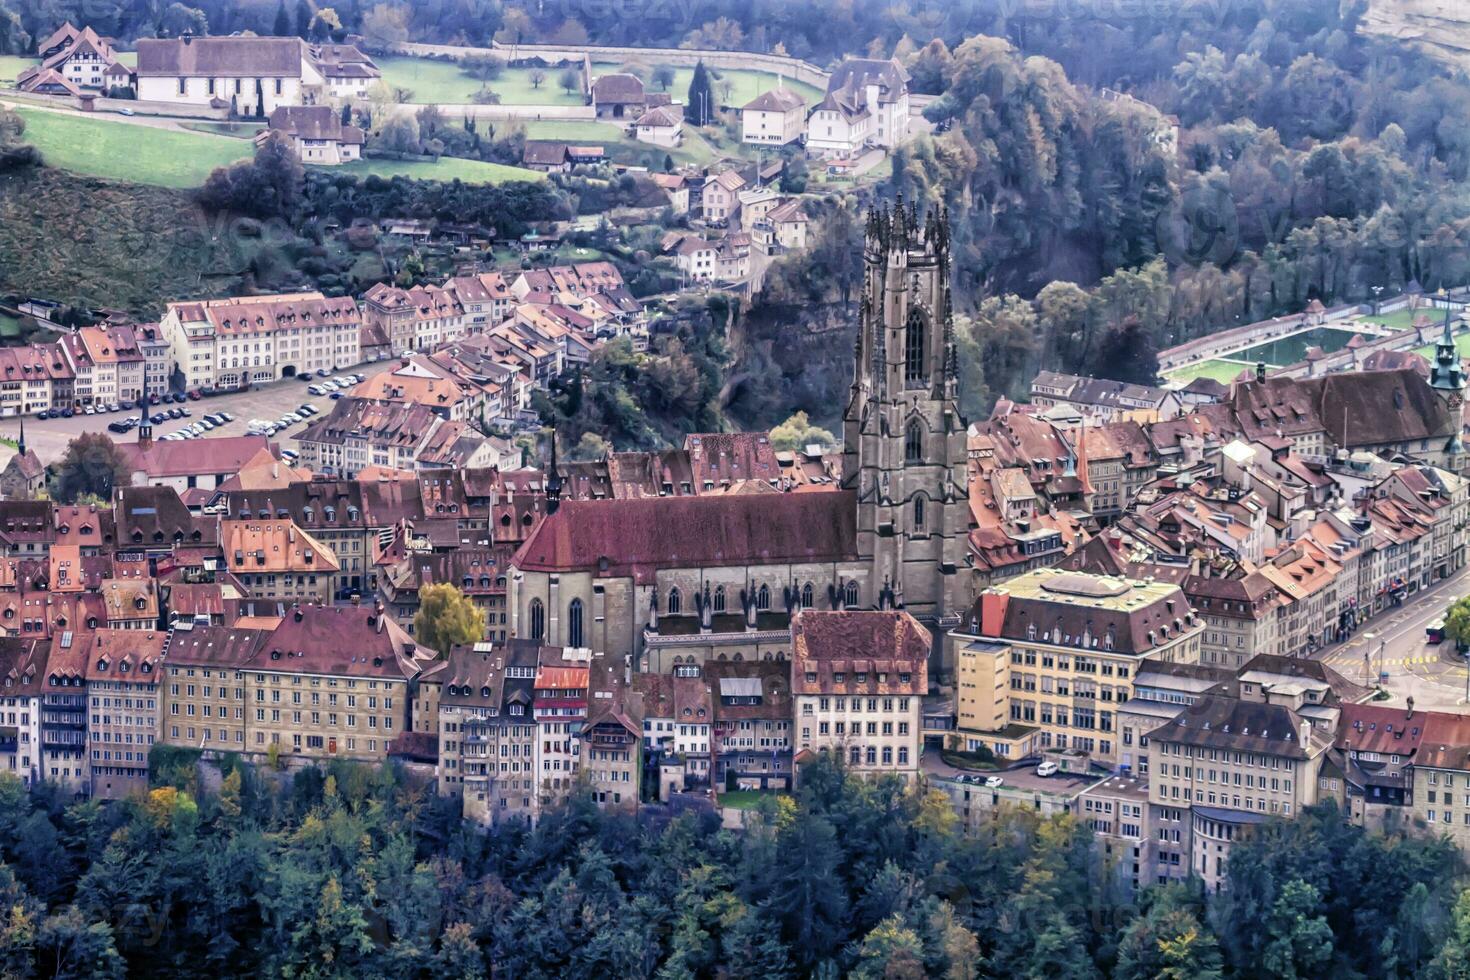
125,151
88,241
170,158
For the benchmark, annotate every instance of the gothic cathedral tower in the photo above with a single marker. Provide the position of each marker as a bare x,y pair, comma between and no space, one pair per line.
903,438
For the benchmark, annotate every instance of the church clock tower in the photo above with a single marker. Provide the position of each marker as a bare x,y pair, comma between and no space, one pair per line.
1447,379
904,445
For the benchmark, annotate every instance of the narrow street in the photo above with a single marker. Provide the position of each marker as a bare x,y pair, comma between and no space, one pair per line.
1433,675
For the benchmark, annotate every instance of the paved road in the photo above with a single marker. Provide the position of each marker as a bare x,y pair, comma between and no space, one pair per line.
172,123
1434,676
49,437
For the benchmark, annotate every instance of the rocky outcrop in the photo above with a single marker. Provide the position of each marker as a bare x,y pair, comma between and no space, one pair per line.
1441,28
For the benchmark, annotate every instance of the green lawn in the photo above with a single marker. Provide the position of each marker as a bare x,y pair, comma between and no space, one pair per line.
11,66
448,168
9,326
124,151
745,799
744,85
239,130
1398,320
1219,370
623,148
443,82
1462,344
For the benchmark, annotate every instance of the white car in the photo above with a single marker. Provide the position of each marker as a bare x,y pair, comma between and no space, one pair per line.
994,782
317,390
1046,769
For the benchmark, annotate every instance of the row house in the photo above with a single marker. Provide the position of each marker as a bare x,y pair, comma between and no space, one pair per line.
124,680
358,433
327,682
857,682
36,378
678,713
106,364
233,343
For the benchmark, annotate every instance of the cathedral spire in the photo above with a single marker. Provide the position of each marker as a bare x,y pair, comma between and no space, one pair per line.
553,481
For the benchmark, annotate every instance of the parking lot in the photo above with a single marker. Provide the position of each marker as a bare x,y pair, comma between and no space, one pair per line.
49,437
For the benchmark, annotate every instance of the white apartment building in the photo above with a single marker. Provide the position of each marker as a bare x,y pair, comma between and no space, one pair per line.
229,343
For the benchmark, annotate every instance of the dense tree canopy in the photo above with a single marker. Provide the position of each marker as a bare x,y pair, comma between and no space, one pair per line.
351,870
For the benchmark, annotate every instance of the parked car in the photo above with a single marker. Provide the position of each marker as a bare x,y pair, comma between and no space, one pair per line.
226,416
317,390
116,427
335,395
994,782
323,373
1046,769
67,413
90,410
195,395
159,418
185,412
174,413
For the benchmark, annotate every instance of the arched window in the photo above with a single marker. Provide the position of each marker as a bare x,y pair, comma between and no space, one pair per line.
913,441
574,624
806,596
676,602
913,347
719,599
763,598
919,512
538,620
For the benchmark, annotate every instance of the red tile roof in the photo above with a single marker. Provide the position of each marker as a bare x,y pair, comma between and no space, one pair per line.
636,537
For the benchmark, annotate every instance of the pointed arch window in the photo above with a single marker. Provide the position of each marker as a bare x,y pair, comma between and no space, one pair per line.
851,597
914,345
574,624
719,599
676,602
538,620
913,441
763,598
808,595
919,512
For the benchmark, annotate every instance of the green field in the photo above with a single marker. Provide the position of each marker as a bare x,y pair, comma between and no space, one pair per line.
746,799
1398,320
238,130
1462,344
623,148
443,82
124,151
9,326
447,168
1217,370
11,66
167,158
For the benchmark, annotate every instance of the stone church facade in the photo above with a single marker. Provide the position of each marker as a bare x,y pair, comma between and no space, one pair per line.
664,583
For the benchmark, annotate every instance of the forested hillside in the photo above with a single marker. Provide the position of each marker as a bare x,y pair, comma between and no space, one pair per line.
350,872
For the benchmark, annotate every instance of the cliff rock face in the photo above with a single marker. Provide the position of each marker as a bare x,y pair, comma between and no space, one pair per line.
1441,28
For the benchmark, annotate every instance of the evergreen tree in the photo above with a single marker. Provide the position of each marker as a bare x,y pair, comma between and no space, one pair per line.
282,26
699,105
303,19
